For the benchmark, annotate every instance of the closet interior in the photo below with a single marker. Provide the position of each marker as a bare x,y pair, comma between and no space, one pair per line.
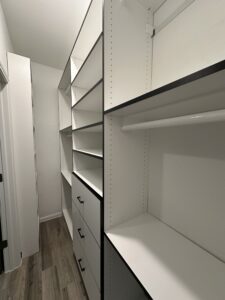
138,128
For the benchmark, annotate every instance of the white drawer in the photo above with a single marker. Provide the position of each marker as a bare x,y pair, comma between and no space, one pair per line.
76,243
90,248
88,205
89,282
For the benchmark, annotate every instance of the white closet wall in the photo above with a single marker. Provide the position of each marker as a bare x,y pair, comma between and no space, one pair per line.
20,97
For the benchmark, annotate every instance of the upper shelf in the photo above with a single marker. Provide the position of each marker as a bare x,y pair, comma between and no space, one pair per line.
204,82
168,265
90,29
66,78
91,70
92,100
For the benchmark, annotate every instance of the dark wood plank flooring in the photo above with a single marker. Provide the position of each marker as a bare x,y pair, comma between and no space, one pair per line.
51,274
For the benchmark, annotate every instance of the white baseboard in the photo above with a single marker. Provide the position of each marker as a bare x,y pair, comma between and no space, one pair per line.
50,217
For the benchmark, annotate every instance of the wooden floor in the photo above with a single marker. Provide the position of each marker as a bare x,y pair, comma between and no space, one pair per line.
50,274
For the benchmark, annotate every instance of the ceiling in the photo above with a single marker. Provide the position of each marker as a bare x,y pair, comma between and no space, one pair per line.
44,30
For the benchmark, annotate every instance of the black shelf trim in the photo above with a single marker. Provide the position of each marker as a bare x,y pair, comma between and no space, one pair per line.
66,129
88,154
88,92
68,61
88,126
175,84
89,54
88,187
131,271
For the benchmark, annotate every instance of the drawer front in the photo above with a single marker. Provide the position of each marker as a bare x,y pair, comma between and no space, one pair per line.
76,194
89,282
90,248
76,242
88,205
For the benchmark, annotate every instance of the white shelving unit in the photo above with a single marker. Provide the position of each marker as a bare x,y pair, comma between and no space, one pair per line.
65,126
163,125
164,149
81,131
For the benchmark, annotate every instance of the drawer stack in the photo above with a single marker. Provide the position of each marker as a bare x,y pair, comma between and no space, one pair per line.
86,236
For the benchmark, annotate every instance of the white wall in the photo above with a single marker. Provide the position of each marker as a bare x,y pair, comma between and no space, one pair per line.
45,95
5,42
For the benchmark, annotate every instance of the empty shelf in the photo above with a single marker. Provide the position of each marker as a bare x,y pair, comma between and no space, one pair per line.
204,82
91,70
96,127
92,152
92,99
168,265
67,175
67,215
92,177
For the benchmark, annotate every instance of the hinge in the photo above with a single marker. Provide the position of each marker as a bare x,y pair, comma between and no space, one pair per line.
1,178
21,254
149,29
153,33
3,244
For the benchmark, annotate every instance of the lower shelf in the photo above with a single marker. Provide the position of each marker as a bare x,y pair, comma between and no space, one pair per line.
168,265
68,218
93,177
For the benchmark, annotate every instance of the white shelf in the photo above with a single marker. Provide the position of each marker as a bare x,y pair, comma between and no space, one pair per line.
92,100
67,175
95,152
68,218
176,92
97,128
167,264
200,118
93,177
89,31
91,70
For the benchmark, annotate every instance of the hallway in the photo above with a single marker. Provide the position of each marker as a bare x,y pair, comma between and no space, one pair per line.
50,274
